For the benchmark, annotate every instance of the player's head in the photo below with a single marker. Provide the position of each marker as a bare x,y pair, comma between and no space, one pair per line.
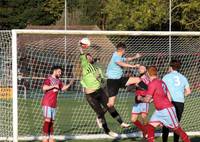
121,47
57,71
142,70
174,65
152,71
90,58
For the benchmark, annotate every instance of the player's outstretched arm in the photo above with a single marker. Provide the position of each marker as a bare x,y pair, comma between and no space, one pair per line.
133,80
65,87
133,58
123,64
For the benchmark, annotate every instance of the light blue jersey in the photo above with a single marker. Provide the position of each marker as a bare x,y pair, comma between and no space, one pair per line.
176,84
114,71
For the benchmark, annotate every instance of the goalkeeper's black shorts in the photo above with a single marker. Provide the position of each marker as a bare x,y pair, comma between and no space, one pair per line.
98,101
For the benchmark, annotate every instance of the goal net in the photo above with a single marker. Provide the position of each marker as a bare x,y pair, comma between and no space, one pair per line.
33,52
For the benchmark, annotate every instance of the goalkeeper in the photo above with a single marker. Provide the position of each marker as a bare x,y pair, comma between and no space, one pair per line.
96,97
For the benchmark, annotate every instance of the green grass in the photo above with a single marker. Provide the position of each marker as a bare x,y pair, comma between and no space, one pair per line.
158,139
73,111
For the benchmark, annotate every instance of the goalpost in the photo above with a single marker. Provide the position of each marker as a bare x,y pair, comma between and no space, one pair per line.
32,53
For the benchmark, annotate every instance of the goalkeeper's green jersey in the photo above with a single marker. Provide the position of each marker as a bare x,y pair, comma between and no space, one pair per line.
91,74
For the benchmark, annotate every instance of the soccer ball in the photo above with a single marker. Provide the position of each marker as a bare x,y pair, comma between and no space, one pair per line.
85,42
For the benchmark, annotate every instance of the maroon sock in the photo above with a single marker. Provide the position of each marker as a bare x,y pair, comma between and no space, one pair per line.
150,132
46,127
138,124
179,131
51,128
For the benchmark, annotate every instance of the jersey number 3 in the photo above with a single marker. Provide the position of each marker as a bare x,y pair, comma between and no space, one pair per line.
177,81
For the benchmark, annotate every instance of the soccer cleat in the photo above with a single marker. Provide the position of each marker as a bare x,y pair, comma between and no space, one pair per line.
113,134
99,123
125,125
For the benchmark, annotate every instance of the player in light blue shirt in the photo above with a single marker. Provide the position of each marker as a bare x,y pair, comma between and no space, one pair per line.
114,72
178,87
176,83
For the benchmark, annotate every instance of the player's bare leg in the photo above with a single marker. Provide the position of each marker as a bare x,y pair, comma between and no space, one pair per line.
134,117
133,80
111,101
144,118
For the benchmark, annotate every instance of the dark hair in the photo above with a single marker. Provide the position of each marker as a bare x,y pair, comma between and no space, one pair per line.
56,67
121,45
175,64
152,70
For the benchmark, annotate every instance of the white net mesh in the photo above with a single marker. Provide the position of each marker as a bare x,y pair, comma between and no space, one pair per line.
5,84
38,53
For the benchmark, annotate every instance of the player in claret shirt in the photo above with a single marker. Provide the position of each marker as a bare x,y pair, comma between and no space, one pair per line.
139,108
51,86
165,112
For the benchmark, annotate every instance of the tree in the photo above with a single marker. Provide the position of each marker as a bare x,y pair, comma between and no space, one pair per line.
137,14
16,14
107,14
11,14
186,15
54,8
87,12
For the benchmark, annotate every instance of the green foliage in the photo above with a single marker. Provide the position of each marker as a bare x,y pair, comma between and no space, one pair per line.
107,14
10,13
186,15
20,13
54,7
136,15
86,12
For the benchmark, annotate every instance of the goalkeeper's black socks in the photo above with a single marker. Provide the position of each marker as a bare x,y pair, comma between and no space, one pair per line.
105,128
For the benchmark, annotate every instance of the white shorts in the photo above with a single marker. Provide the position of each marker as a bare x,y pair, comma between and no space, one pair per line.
140,108
166,117
49,112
